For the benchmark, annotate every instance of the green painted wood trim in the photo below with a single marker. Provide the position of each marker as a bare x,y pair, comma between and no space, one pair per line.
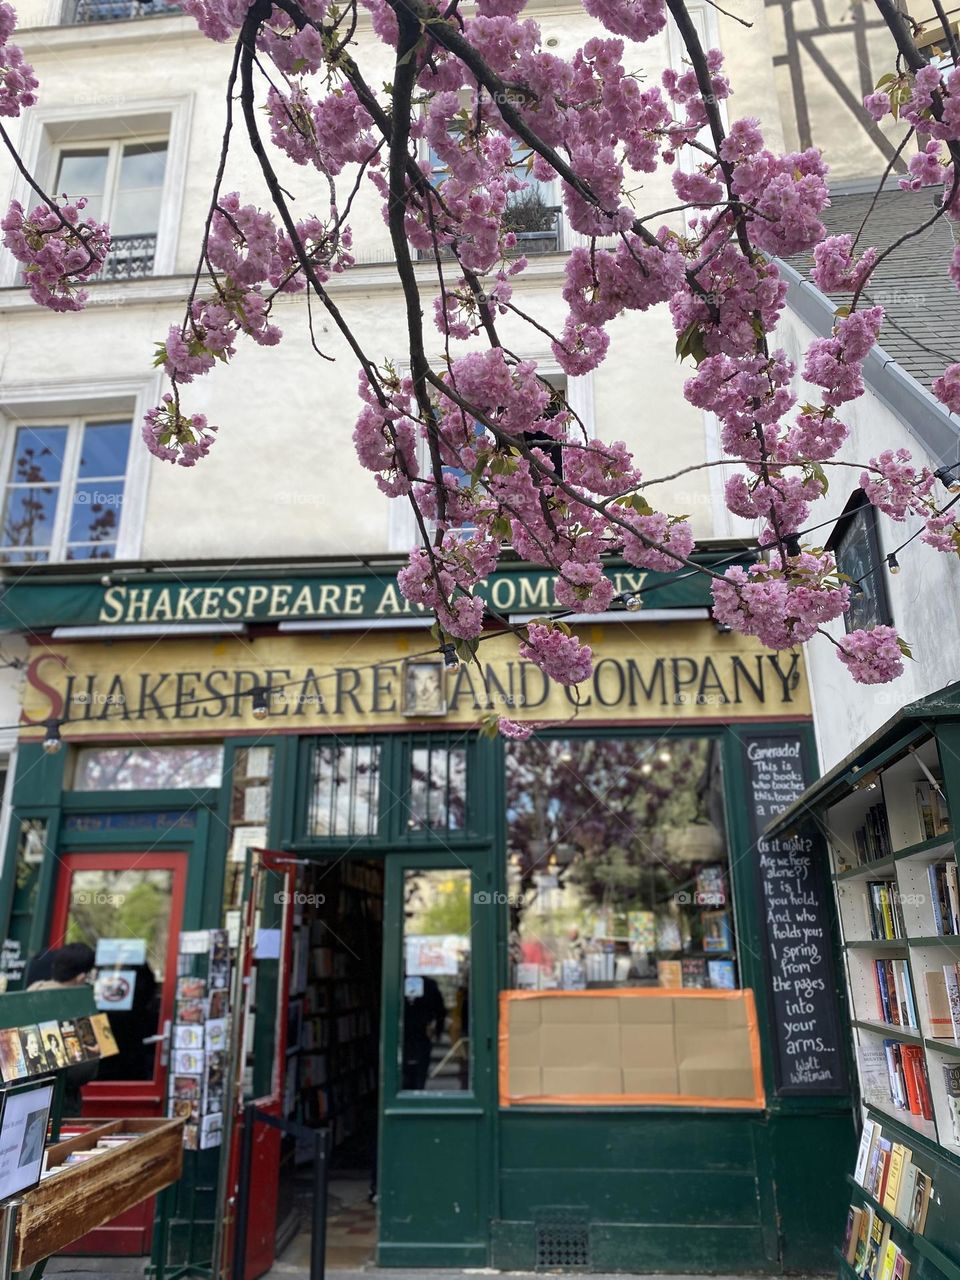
26,1008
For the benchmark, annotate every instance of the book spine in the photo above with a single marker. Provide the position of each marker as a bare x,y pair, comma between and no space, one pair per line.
910,1078
892,995
923,1084
935,898
953,896
880,979
953,996
913,1018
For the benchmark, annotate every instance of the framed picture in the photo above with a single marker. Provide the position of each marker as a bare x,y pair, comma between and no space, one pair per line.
424,687
24,1116
856,545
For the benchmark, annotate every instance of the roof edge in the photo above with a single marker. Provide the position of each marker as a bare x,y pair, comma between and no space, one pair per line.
923,415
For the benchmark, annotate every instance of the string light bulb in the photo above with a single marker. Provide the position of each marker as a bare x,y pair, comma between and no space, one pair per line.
261,704
646,768
450,659
632,602
52,742
664,757
893,564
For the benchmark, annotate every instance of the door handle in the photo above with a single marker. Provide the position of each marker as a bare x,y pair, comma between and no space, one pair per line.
162,1039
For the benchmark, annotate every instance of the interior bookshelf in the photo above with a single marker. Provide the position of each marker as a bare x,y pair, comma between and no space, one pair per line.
333,1014
895,875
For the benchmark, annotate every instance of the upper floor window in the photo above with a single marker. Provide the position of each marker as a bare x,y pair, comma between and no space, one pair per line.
64,489
532,213
118,10
855,542
123,182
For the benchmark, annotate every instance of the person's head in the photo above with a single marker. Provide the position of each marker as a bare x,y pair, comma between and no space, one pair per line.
33,1044
72,964
53,1046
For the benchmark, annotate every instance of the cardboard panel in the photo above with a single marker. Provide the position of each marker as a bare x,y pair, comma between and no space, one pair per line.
640,1046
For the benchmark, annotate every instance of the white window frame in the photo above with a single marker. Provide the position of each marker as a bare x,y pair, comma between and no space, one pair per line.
48,130
74,404
402,531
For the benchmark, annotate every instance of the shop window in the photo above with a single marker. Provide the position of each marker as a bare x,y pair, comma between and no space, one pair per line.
438,788
855,542
344,789
618,870
123,183
435,1030
142,768
64,495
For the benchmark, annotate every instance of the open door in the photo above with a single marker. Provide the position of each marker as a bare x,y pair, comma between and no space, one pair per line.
437,1045
129,905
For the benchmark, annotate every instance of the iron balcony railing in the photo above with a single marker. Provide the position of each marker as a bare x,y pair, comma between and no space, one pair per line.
130,257
85,11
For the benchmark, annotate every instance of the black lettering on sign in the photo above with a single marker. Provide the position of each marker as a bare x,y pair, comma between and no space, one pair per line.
796,909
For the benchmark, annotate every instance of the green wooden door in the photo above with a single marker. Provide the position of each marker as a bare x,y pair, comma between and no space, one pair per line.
437,1041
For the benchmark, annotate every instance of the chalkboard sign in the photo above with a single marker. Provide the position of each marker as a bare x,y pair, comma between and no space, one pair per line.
796,910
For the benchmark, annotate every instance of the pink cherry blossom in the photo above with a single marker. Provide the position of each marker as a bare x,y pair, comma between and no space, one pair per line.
57,250
871,657
172,437
559,656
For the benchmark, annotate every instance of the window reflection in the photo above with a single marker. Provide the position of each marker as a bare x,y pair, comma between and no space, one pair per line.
617,864
435,1014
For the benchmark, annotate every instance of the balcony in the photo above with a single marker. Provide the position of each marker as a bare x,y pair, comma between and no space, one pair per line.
87,11
130,257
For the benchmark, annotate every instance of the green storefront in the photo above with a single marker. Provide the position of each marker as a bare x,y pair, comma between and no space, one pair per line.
594,870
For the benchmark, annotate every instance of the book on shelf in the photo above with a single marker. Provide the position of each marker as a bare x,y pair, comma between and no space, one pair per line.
693,971
938,1005
951,981
872,840
944,897
884,910
717,935
932,810
670,974
886,1171
851,1233
721,975
907,1078
951,1083
894,988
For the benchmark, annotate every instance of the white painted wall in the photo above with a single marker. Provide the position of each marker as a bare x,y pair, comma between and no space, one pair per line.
924,595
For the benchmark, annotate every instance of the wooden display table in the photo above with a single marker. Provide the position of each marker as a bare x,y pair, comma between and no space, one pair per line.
66,1205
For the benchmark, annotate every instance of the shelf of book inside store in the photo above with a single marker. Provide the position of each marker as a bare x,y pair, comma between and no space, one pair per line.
892,1030
878,944
902,1235
918,1125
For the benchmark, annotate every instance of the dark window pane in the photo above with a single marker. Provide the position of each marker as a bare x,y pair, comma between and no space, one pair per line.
104,449
438,788
38,454
28,516
435,1017
95,512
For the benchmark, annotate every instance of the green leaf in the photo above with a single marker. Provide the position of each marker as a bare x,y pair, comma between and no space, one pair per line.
904,648
887,79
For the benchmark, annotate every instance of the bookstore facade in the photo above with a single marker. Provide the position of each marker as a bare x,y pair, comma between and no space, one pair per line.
554,994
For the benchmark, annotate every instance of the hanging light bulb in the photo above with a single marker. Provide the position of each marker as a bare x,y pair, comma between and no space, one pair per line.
632,602
646,768
893,564
450,658
52,742
664,757
261,703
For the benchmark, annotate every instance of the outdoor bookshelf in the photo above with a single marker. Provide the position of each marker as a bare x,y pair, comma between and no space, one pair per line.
885,819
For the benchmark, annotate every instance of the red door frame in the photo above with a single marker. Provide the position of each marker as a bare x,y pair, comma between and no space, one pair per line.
131,1233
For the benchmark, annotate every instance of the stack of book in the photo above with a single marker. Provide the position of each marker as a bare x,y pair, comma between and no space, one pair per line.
884,910
907,1076
932,809
895,1000
886,1171
872,840
945,896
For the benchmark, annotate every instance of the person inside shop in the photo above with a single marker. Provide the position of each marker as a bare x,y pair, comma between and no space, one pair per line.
424,1018
71,966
